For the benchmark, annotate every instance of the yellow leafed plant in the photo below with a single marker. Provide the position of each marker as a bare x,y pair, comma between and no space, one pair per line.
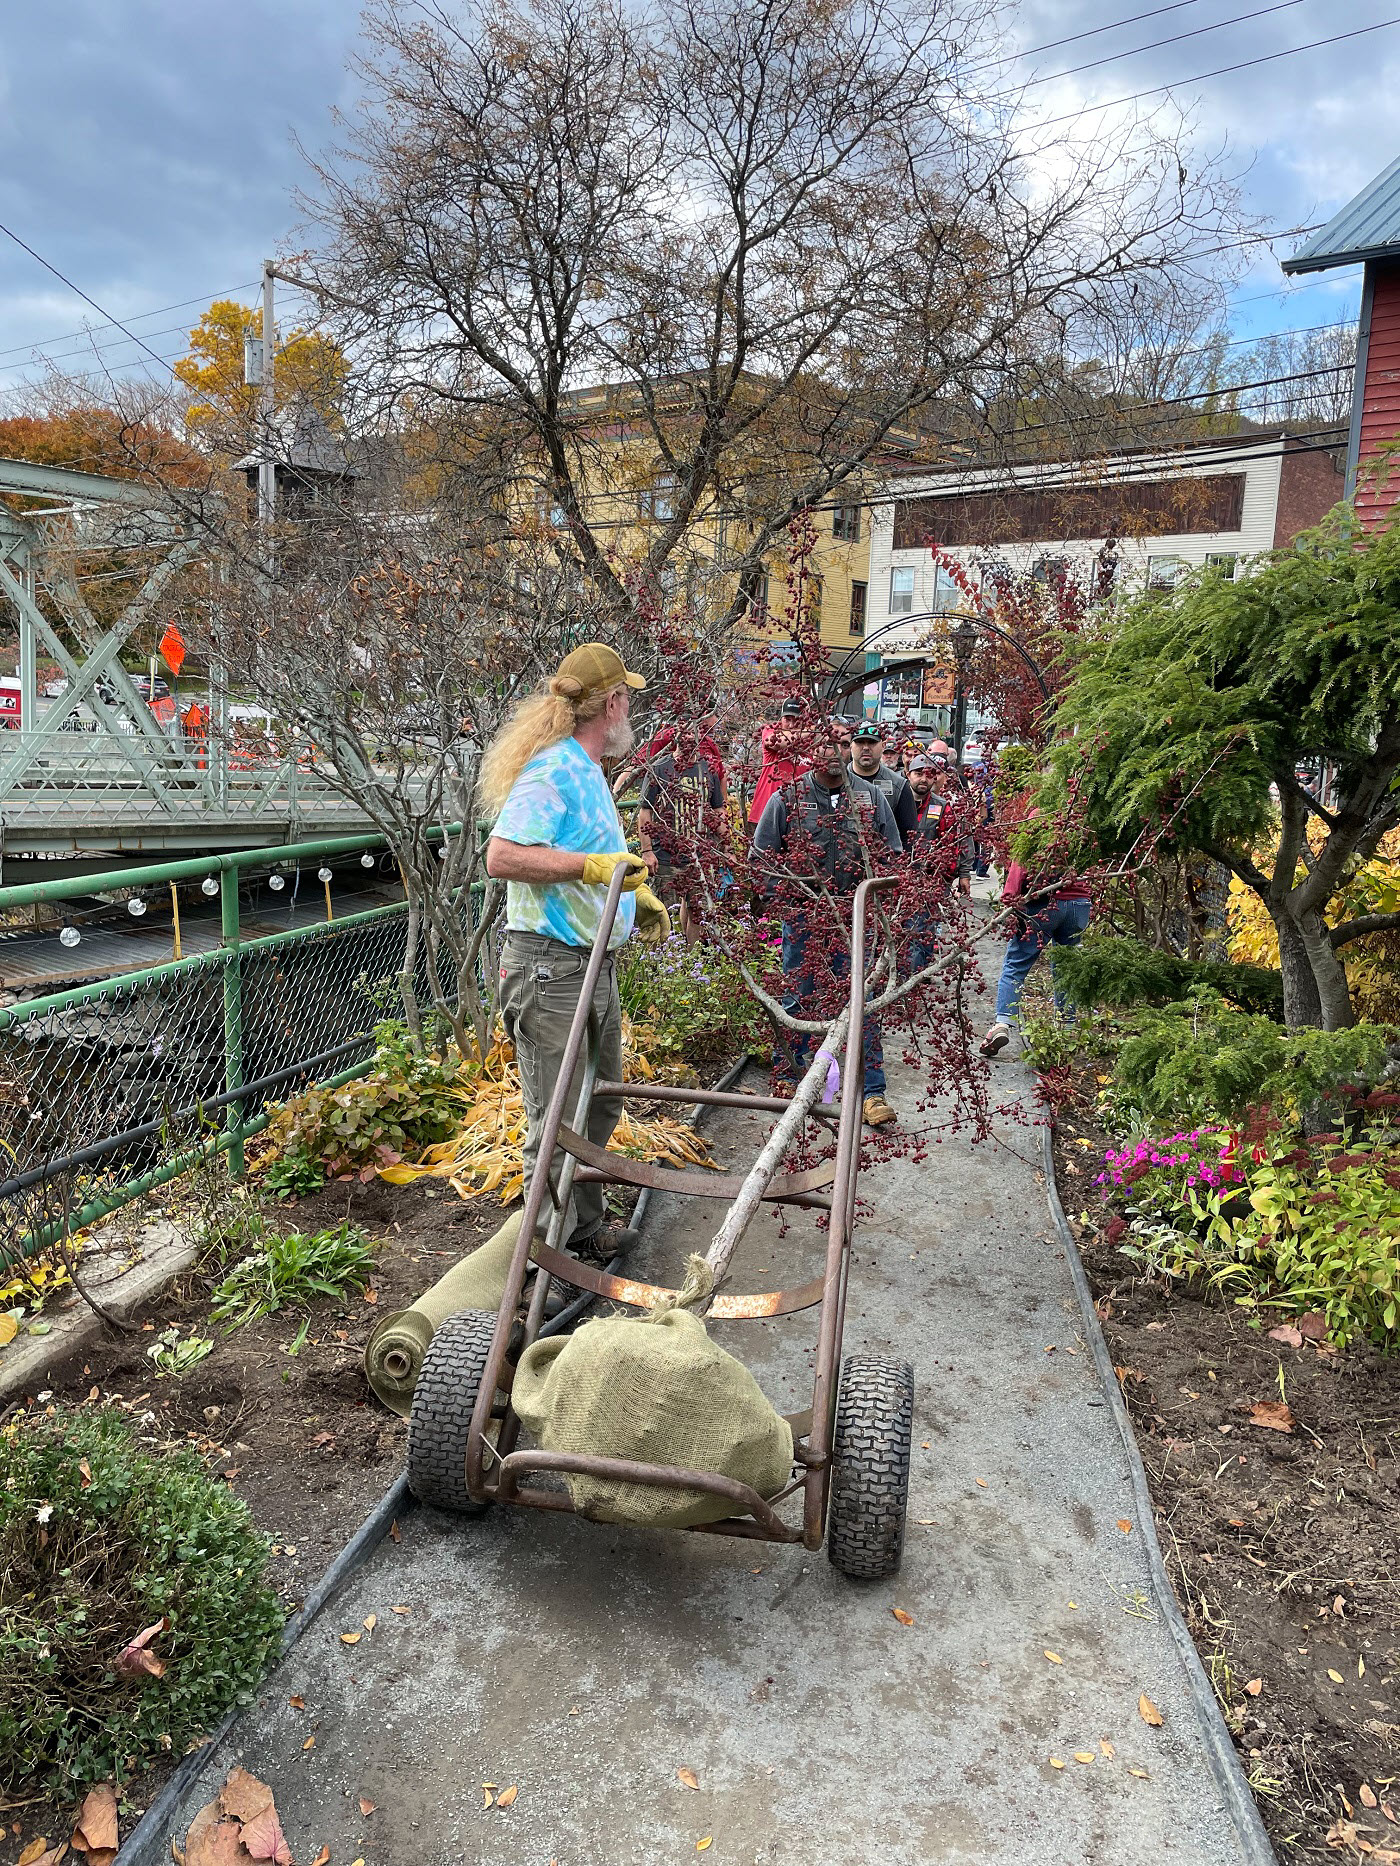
484,1154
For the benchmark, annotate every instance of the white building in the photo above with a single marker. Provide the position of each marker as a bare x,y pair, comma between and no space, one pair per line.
1137,517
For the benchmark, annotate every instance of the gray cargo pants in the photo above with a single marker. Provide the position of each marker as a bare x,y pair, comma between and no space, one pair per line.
540,983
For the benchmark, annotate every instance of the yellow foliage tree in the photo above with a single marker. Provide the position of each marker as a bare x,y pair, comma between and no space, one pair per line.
307,366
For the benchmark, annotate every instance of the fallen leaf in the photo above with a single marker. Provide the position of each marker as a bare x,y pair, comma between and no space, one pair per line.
506,1798
1272,1415
486,1798
1149,1712
213,1840
1083,1755
1141,1774
85,1472
1336,1677
96,1826
1367,1795
1361,1668
366,1805
394,1535
9,1328
1313,1327
310,1743
243,1797
905,1619
32,1852
1053,1657
1125,1525
687,1778
321,1440
1106,1748
370,1295
297,1703
981,1482
371,1620
1290,1336
702,1845
1055,1763
55,1854
135,1660
1254,1687
401,1610
263,1837
1390,1814
322,1857
925,1522
351,1639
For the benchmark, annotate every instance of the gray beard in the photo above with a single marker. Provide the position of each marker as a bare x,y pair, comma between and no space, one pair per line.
619,739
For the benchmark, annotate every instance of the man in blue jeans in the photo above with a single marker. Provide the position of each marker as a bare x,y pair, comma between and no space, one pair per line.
815,826
1058,920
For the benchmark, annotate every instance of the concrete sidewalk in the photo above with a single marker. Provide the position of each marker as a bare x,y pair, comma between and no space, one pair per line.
588,1664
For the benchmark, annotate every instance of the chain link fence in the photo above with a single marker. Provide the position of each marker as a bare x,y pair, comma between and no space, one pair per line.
109,1089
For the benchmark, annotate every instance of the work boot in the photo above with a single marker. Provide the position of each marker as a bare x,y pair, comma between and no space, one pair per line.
602,1245
876,1111
996,1039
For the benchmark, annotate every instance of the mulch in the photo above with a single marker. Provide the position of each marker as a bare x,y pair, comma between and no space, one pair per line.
1283,1545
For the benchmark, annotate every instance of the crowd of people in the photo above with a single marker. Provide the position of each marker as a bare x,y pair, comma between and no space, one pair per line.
828,792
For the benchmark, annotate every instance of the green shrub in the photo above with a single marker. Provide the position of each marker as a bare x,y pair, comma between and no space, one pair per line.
1117,973
693,1001
1284,1230
408,1101
293,1267
1199,1060
99,1541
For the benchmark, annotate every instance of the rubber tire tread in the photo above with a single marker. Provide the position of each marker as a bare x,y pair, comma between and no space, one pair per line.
872,1441
443,1402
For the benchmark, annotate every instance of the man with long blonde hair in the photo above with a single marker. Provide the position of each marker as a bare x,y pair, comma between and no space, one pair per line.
555,842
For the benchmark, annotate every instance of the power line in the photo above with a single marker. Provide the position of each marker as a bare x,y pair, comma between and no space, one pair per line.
1266,58
1091,32
159,311
1112,58
96,350
65,280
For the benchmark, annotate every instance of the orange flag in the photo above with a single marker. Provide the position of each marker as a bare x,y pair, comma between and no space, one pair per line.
172,648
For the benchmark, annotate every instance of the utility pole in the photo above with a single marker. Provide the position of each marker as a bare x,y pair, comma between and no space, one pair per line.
267,465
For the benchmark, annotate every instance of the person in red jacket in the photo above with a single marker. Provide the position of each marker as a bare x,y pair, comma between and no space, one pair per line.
1055,919
780,767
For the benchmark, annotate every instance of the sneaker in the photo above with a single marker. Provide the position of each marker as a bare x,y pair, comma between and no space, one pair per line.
877,1112
996,1039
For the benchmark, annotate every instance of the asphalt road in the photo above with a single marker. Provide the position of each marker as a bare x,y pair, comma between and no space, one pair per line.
587,1665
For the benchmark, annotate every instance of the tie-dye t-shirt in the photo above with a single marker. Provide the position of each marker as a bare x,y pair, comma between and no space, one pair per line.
561,800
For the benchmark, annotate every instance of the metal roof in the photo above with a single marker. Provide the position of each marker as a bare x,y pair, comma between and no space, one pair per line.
1366,228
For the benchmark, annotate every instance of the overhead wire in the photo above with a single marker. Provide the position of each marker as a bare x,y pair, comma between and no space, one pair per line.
205,298
1112,58
1264,58
1090,32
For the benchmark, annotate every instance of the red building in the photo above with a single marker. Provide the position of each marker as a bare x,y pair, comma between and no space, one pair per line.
1367,232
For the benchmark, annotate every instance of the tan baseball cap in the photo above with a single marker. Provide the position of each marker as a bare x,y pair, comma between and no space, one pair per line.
597,668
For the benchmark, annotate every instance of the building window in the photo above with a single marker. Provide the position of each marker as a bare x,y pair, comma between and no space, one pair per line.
661,499
1226,562
1164,573
902,592
946,593
845,523
858,591
758,602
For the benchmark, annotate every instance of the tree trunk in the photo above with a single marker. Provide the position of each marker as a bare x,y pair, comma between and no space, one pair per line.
1302,1002
1330,974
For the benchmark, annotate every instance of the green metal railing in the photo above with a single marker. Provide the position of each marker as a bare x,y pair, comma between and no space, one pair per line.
110,1089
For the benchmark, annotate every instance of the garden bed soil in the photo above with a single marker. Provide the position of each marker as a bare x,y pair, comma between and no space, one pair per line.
1283,1545
301,1438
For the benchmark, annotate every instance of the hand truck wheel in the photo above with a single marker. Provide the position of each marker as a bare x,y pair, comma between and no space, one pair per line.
871,1443
443,1402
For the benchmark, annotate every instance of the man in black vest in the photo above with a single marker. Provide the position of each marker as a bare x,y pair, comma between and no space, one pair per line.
867,761
816,825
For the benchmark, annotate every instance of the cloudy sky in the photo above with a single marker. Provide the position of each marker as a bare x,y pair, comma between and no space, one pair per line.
147,146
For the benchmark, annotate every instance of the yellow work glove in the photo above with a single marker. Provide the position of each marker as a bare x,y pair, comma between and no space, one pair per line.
653,921
598,869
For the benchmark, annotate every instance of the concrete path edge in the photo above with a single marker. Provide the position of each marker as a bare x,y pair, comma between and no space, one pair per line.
1220,1749
150,1841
